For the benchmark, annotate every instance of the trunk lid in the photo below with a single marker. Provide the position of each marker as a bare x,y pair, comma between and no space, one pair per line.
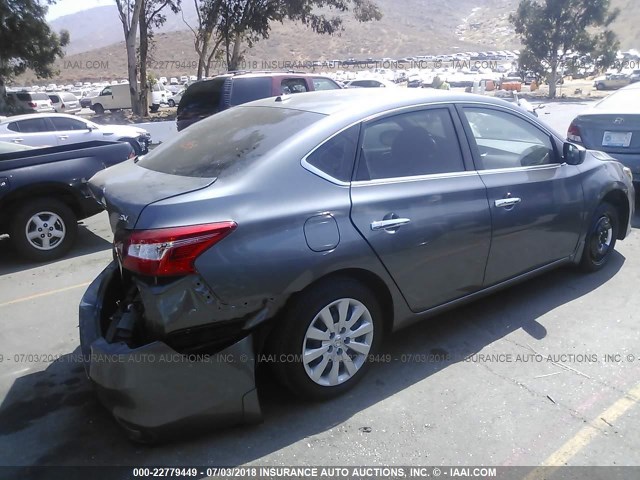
609,132
126,189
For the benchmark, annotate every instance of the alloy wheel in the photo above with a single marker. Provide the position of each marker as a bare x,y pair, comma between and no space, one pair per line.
337,342
45,230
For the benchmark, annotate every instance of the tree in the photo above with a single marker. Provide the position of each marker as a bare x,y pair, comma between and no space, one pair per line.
130,17
232,22
208,15
548,29
251,20
26,41
151,15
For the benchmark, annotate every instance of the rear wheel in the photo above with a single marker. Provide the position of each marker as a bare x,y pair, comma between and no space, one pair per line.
43,229
323,344
599,86
601,238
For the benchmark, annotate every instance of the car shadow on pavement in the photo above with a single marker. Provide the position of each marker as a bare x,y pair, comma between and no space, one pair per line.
60,400
87,243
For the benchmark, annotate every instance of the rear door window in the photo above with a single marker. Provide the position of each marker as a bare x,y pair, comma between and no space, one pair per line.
320,83
228,142
410,144
34,125
248,89
293,85
54,98
202,96
65,124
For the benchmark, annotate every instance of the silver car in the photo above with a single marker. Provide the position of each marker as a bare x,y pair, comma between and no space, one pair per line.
65,102
297,231
41,130
613,126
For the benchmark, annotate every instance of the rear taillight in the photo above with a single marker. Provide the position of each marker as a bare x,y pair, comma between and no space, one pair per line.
169,252
33,104
62,106
573,134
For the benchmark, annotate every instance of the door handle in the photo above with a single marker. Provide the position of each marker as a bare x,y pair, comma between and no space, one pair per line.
507,202
18,140
390,224
63,137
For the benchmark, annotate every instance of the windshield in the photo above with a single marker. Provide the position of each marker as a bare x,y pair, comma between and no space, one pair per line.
227,142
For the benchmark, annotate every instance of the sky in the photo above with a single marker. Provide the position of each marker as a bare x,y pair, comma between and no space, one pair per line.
66,7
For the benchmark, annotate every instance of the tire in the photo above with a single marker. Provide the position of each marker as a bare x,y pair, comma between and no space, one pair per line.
599,86
98,108
171,103
39,214
601,238
135,145
154,108
303,330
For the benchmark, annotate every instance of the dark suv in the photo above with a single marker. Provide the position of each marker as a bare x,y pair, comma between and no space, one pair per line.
203,99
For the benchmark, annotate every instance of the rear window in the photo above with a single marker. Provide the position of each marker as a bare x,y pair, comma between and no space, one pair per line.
621,100
227,142
69,97
202,95
246,90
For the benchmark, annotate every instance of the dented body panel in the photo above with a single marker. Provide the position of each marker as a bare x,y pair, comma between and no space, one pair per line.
205,389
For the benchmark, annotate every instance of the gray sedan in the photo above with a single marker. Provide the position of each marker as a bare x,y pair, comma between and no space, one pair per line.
613,126
296,232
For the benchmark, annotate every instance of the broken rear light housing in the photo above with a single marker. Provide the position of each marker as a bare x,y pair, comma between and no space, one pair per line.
166,252
573,134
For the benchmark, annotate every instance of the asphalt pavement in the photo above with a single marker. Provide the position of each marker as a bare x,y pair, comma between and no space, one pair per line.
544,372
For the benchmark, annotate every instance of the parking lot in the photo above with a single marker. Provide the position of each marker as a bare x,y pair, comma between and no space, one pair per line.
547,372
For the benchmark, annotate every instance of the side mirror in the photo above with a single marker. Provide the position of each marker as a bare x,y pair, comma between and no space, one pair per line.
573,154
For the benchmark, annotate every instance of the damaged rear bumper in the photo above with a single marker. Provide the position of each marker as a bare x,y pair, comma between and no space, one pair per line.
153,390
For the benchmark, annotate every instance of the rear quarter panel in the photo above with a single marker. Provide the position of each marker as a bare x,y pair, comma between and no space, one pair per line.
267,257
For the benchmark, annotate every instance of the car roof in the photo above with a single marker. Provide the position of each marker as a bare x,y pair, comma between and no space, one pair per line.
249,73
29,116
370,101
